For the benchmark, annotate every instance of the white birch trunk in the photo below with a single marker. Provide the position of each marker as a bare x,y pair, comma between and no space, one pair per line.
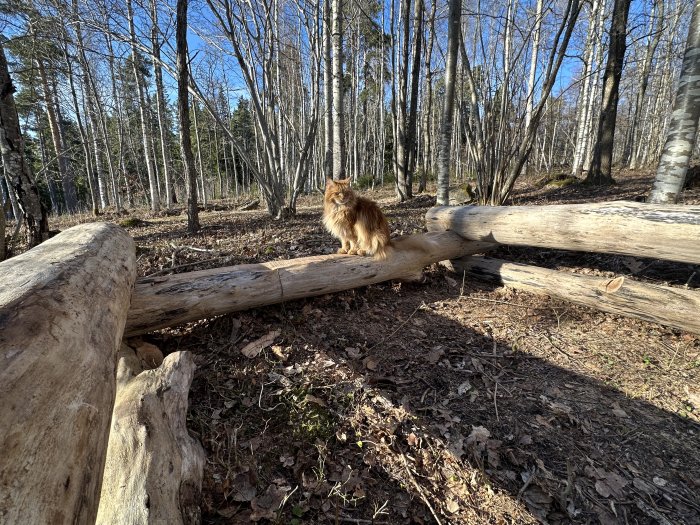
680,140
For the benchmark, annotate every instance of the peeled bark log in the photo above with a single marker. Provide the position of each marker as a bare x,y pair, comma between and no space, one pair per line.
154,469
673,307
158,302
627,228
63,307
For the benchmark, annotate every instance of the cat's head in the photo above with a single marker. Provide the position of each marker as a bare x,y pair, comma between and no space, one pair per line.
339,192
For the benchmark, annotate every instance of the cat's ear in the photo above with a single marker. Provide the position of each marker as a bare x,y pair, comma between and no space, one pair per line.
345,181
330,182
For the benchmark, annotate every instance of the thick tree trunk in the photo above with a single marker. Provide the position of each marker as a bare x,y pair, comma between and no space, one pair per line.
674,307
628,228
683,128
183,107
18,172
600,171
153,471
445,139
63,307
167,301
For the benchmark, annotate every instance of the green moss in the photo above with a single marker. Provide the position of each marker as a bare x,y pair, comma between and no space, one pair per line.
131,222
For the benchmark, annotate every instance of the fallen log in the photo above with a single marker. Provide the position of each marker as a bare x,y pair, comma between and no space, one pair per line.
158,302
675,307
153,473
63,307
628,228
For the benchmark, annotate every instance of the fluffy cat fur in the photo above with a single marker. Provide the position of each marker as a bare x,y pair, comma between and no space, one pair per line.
356,221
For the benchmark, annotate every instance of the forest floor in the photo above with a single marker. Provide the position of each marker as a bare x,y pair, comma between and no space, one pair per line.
448,401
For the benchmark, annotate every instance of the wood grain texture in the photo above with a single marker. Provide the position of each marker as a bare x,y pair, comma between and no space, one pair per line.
675,307
658,231
63,308
158,302
154,468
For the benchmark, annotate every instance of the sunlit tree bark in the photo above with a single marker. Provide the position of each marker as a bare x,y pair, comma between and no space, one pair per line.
683,128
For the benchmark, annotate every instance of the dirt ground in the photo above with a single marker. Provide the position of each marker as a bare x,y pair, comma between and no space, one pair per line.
448,401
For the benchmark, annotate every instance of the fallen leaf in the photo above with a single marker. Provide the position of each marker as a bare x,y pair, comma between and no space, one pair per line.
435,354
478,435
611,485
235,328
371,363
644,486
452,506
618,411
287,460
316,400
252,349
266,505
659,482
538,502
464,387
279,352
526,439
243,484
353,352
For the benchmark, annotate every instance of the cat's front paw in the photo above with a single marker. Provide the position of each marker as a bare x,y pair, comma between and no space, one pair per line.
362,252
352,252
342,250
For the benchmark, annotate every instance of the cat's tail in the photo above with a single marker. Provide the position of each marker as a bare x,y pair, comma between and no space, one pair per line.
412,242
382,247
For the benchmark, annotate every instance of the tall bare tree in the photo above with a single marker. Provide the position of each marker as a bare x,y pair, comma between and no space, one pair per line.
454,20
600,170
183,107
161,105
328,89
17,169
338,88
683,128
143,110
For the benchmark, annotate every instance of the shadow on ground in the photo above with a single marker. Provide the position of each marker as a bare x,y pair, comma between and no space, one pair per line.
445,402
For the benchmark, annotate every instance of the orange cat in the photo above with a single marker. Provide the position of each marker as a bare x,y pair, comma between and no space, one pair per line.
356,221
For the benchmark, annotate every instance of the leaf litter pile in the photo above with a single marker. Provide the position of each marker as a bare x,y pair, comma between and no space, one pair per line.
446,401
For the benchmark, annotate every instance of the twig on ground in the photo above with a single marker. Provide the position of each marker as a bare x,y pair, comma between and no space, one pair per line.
192,248
193,263
397,328
484,299
495,404
652,513
419,489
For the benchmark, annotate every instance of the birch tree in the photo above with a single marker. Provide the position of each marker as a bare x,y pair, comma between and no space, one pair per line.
683,127
138,77
338,109
445,137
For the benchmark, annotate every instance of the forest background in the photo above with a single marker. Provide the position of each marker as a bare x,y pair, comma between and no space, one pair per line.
284,93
